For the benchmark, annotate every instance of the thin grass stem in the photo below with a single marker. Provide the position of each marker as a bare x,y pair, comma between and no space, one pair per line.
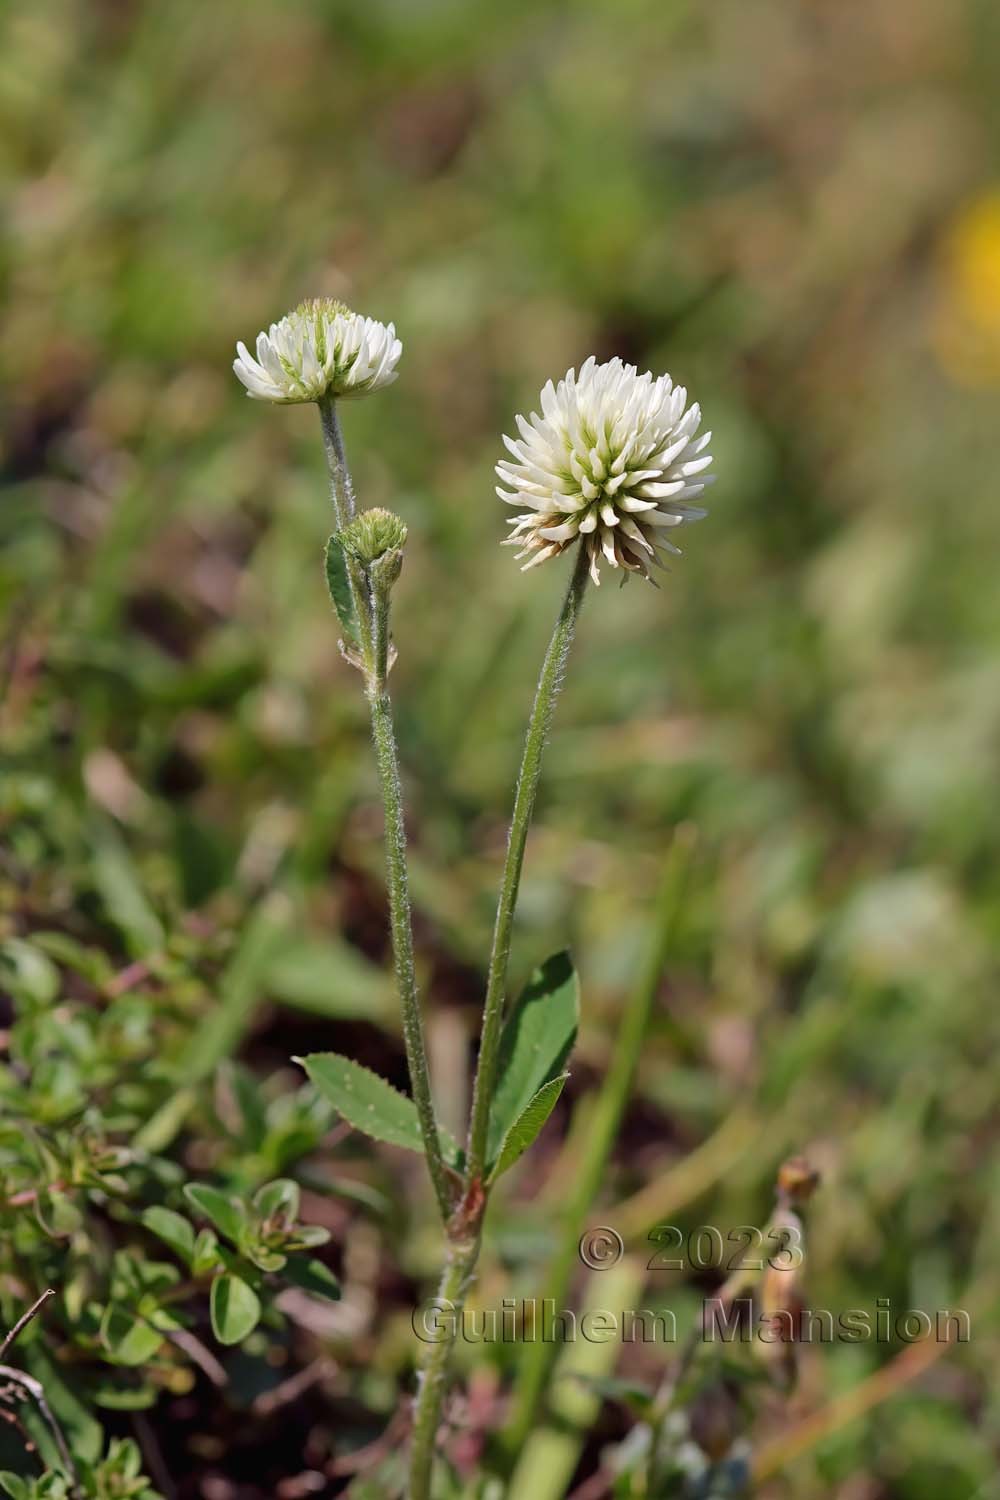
539,1358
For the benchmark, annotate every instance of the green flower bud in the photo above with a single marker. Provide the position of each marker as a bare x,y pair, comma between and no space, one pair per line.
372,535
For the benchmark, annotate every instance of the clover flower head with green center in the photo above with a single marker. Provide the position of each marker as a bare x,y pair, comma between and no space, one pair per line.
613,460
320,349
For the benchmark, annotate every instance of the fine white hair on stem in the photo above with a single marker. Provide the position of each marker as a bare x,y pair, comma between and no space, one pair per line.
321,349
614,460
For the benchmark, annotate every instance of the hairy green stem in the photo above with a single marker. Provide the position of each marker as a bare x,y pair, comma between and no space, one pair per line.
372,610
549,682
402,934
342,500
599,1137
433,1368
341,488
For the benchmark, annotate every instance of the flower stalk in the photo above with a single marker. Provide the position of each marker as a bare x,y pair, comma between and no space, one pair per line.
371,583
341,487
384,740
549,682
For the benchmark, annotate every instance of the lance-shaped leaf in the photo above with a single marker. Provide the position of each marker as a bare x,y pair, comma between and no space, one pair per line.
340,590
527,1125
368,1103
537,1038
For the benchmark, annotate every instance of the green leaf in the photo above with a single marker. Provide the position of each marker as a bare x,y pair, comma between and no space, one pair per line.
264,1258
124,1459
164,1124
242,1093
124,1397
15,1486
120,889
312,1276
86,1435
340,590
234,1307
227,1214
27,973
369,1103
527,1125
537,1039
278,1197
240,992
206,1253
327,977
173,1229
57,1214
307,1236
129,1339
361,1193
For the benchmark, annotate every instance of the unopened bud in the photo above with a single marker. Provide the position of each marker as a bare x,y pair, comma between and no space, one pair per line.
373,537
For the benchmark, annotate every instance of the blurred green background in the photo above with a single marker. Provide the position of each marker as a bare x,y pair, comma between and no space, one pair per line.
792,206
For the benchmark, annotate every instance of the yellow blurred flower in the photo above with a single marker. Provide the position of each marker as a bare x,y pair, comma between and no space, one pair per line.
966,330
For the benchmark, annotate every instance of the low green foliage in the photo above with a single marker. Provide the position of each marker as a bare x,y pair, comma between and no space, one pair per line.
85,1208
117,1476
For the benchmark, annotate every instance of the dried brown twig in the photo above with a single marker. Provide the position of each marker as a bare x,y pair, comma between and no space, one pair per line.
25,1319
18,1385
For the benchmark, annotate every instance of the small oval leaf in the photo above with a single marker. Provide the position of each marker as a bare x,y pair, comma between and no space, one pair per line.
129,1339
234,1307
227,1214
172,1228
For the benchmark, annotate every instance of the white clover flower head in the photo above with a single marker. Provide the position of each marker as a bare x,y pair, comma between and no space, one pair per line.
614,460
320,349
